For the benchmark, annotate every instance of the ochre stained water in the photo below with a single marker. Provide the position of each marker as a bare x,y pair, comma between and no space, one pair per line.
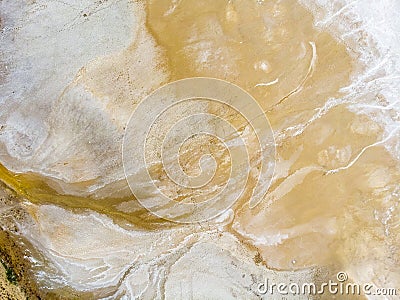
273,51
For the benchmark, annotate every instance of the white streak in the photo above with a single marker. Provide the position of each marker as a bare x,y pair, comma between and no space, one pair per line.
268,83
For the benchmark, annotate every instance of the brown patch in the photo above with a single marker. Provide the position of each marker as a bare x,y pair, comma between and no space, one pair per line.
17,267
258,258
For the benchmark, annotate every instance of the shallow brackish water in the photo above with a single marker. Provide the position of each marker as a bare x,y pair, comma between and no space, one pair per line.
325,74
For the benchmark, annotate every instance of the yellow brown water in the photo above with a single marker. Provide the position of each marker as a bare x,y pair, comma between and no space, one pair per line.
327,202
250,44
